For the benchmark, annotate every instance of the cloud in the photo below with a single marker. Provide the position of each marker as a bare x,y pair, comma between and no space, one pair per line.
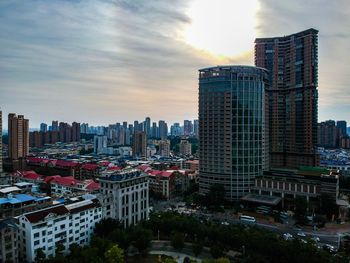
97,61
332,19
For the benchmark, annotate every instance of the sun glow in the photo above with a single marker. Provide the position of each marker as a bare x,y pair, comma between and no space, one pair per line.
222,27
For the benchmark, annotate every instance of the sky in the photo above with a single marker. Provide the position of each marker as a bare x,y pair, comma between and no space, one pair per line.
106,61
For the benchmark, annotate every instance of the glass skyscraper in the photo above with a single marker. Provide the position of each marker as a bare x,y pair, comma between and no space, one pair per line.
231,128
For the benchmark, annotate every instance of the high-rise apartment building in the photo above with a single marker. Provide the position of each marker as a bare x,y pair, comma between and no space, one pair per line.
231,128
164,148
327,134
54,125
341,125
196,128
139,147
18,131
185,147
100,143
43,127
292,62
75,132
163,129
0,141
187,127
147,126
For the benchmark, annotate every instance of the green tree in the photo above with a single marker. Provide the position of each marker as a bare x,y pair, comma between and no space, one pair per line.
216,195
216,251
141,238
222,260
177,240
115,255
300,210
40,255
197,248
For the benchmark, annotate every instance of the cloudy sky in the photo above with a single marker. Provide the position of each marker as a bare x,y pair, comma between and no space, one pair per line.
103,61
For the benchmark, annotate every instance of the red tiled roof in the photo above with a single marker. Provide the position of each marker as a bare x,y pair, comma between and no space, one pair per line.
104,163
33,159
114,168
30,175
67,181
92,186
174,168
166,174
41,214
90,166
63,163
144,167
48,179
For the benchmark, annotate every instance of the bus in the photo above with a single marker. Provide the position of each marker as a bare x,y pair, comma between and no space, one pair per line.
249,219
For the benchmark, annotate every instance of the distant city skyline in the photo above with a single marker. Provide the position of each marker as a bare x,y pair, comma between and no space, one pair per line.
106,73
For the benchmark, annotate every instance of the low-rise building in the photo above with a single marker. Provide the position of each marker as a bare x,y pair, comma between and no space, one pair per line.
125,195
62,224
308,182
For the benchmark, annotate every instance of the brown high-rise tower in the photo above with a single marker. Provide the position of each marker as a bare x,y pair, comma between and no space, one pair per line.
18,130
292,97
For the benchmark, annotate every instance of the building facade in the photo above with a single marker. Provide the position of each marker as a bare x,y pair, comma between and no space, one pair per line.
61,224
164,148
8,241
292,63
185,147
0,142
125,195
139,147
18,131
100,142
231,128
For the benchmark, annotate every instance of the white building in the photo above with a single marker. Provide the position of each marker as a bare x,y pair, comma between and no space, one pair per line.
125,195
65,224
100,142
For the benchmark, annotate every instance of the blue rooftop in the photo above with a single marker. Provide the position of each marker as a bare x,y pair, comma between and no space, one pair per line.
20,198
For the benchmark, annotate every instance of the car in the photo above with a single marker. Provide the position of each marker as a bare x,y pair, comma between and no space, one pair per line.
316,239
225,223
303,241
329,248
301,234
287,236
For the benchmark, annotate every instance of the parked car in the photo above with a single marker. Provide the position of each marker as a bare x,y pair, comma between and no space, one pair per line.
287,236
301,234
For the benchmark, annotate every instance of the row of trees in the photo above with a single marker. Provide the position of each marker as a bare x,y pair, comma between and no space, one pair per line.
255,245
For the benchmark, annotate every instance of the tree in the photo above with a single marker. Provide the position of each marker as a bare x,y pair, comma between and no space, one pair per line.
141,238
40,255
115,255
197,248
177,240
216,195
328,206
222,260
300,210
216,251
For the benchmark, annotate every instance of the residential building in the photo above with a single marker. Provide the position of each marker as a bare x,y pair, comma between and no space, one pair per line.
188,127
292,64
185,147
60,224
147,127
75,132
231,128
164,148
18,131
125,195
0,142
54,126
163,129
8,241
341,125
327,134
196,128
43,127
139,147
100,142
